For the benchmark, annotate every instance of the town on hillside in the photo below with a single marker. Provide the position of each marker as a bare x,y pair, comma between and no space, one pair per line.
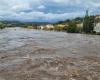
87,24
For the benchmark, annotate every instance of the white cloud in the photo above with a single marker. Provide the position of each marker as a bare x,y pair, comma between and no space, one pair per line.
21,7
41,16
40,9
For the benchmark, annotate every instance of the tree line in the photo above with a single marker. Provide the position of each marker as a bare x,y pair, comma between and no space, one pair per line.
86,25
77,25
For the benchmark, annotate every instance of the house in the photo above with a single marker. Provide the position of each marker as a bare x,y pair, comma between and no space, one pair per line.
97,24
49,27
80,25
46,27
41,27
97,28
59,27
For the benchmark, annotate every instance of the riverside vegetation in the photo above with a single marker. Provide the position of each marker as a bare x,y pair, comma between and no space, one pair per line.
77,25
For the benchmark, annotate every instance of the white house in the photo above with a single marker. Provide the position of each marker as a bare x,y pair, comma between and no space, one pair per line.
80,25
49,26
97,27
97,24
41,27
46,27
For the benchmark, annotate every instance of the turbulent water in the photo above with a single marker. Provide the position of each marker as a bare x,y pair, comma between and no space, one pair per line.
27,54
11,38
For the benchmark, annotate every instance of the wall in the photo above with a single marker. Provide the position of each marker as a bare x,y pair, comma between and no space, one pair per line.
97,28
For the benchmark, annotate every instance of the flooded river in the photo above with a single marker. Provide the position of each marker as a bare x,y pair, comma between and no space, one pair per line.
27,54
64,43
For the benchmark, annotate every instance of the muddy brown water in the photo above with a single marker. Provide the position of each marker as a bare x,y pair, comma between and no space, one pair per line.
27,54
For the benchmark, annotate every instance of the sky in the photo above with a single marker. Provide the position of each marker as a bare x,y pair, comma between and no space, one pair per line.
46,10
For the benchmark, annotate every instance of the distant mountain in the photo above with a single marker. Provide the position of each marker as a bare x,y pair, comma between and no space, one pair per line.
22,24
16,22
37,23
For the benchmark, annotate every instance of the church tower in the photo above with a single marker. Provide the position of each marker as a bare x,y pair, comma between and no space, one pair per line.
87,13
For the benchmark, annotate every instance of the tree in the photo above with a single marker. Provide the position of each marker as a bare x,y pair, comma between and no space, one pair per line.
2,25
72,27
67,21
88,24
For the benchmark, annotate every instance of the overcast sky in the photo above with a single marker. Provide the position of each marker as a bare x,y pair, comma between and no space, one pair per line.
46,10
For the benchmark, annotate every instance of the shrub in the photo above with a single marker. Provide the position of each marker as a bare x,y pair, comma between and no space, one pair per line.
29,27
72,27
88,24
2,26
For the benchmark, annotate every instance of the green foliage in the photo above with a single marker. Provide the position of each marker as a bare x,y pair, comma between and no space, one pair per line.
78,20
88,24
67,21
2,26
72,27
60,22
29,27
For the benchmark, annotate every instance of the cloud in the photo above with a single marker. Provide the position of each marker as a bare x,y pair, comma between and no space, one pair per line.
41,7
21,7
46,10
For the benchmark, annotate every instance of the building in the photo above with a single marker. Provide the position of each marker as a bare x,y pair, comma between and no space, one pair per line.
49,27
97,24
59,27
41,27
46,27
80,25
